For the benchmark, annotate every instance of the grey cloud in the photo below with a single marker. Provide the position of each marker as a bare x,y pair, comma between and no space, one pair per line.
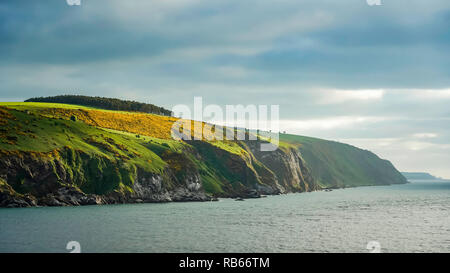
248,52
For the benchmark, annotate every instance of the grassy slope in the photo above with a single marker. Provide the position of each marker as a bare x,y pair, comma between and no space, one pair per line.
50,138
40,134
341,165
43,127
45,105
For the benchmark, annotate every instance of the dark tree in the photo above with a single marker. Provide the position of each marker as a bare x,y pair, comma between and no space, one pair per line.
105,103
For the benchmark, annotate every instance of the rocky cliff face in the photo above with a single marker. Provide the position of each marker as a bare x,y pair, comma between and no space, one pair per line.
56,179
254,173
69,177
292,174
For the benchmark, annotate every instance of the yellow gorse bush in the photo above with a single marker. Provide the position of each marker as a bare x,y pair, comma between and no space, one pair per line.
137,123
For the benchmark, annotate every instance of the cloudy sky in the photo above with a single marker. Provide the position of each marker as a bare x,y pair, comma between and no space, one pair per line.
377,77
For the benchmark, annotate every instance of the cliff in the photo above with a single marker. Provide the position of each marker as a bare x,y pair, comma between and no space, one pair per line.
339,165
62,155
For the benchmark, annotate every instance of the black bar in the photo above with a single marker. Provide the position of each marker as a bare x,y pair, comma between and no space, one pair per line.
224,262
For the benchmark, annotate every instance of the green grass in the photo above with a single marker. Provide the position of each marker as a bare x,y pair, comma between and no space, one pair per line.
222,165
32,106
337,164
230,146
39,134
40,105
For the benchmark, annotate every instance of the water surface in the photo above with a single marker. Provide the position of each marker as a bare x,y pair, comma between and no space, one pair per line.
402,218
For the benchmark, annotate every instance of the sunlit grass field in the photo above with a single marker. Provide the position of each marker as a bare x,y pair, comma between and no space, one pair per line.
141,139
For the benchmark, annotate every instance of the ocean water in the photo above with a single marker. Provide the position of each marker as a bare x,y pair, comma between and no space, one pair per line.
402,218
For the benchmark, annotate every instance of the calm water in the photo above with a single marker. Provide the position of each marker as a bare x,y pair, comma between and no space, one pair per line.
402,218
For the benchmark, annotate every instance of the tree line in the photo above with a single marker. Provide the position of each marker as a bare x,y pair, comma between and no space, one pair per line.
105,103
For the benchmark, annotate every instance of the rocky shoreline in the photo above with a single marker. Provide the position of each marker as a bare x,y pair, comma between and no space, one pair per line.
70,196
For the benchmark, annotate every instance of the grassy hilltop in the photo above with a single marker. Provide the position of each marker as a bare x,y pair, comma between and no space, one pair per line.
63,154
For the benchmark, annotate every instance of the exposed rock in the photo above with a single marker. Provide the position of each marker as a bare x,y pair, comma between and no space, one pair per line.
50,182
289,168
11,199
17,203
51,201
31,200
186,195
90,199
252,193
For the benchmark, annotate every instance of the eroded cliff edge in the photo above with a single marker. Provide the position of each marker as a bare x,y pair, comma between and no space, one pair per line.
69,177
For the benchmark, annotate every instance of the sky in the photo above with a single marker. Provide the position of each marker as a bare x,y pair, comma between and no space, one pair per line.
377,77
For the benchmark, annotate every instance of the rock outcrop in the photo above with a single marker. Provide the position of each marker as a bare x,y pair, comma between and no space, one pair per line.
29,180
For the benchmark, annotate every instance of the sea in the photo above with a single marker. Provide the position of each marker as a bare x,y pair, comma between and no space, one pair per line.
413,217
